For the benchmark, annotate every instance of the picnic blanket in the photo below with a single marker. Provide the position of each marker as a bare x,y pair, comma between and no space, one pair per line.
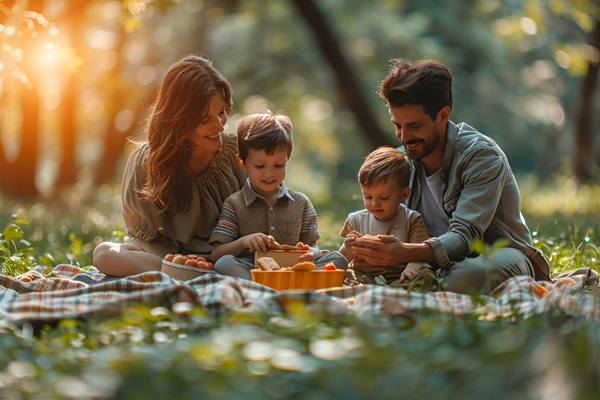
32,297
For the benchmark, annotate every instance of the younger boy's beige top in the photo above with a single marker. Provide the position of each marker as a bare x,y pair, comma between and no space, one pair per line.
408,225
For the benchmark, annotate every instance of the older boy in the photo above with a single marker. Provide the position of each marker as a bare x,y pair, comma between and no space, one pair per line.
265,208
383,180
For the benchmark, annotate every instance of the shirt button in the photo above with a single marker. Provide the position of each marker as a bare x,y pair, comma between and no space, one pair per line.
271,208
272,228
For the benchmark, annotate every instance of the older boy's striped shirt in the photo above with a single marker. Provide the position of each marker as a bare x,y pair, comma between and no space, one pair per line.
291,219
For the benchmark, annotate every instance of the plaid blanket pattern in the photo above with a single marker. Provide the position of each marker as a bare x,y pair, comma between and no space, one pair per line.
32,297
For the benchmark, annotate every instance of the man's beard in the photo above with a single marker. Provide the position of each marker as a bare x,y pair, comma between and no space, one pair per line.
428,146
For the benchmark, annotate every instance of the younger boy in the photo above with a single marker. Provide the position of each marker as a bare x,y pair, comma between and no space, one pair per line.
383,179
265,208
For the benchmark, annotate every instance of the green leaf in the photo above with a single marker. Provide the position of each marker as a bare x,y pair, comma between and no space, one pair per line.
380,280
499,244
479,247
12,232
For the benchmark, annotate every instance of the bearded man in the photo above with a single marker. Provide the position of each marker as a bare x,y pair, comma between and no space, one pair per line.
462,184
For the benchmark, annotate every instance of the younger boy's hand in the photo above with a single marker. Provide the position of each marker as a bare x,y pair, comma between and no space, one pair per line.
409,273
257,242
350,240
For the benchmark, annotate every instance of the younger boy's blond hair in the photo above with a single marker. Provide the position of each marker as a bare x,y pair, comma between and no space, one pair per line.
381,165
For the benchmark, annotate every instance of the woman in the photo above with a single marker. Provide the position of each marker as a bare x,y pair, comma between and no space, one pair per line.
175,182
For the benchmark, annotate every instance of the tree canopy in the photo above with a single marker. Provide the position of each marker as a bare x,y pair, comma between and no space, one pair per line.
78,78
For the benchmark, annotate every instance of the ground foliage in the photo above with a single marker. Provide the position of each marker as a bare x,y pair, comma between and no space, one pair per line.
184,353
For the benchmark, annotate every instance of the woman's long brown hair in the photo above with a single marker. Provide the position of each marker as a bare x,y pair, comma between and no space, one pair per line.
182,100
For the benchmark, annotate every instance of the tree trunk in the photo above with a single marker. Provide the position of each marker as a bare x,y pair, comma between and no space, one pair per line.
70,22
18,177
584,158
114,145
115,141
348,83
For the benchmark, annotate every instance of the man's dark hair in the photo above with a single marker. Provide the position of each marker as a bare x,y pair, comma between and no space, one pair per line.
424,82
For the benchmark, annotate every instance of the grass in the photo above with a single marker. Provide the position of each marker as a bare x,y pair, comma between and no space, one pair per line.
160,353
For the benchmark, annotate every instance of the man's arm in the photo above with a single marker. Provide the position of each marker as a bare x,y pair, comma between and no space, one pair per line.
392,251
483,176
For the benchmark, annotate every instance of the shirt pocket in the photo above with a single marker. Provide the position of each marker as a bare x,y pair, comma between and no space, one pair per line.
292,232
401,234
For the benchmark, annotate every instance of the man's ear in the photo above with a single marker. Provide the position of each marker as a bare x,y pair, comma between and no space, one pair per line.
240,161
443,116
405,193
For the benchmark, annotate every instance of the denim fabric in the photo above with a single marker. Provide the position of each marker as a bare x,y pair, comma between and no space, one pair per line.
481,276
480,197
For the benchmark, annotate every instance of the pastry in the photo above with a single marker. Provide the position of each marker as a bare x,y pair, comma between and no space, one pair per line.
267,264
276,246
303,266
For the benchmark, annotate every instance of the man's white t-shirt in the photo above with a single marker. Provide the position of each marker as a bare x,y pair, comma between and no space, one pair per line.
430,203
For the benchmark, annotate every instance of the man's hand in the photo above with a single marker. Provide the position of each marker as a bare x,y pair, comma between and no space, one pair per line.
257,242
384,252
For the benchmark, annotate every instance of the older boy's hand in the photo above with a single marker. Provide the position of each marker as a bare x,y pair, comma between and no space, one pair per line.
308,256
257,242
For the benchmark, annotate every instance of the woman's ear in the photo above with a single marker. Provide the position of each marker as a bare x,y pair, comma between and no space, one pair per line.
405,193
240,161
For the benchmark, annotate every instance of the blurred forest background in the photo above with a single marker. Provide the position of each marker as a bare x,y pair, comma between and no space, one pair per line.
78,77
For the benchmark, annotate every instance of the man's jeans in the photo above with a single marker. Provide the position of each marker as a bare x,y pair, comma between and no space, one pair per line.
480,276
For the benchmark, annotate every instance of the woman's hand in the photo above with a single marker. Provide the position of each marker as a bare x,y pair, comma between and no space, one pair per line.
257,242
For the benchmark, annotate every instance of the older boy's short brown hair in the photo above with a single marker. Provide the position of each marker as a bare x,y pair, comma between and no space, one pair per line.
264,131
383,164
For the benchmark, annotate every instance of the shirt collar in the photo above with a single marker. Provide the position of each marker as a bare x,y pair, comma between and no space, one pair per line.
250,195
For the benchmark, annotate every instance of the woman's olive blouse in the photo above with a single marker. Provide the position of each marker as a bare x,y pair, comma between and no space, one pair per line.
182,232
